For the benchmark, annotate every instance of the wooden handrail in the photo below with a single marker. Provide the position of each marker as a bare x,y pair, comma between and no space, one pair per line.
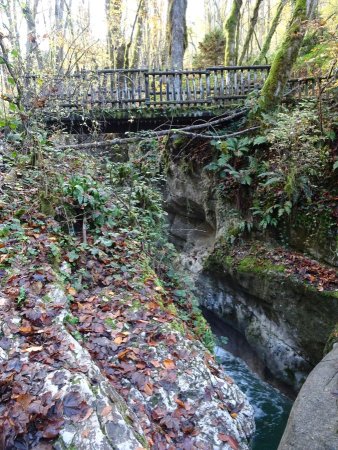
134,88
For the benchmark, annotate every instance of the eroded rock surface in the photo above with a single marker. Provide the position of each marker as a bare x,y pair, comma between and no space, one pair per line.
53,390
313,422
282,318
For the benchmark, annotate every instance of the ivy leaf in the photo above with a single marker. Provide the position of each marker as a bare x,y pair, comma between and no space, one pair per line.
335,165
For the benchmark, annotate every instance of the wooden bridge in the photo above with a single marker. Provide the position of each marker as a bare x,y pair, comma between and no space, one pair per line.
119,98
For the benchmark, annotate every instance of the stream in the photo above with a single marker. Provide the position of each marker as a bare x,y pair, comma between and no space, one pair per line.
271,406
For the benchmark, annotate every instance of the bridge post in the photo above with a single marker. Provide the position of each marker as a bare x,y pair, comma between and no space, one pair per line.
146,84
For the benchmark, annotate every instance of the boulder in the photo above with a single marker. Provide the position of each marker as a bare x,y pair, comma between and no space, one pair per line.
313,422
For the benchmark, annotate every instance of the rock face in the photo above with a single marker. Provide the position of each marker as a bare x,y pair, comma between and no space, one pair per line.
285,322
286,325
313,422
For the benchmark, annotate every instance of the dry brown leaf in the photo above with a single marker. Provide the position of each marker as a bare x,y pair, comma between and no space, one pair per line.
106,410
169,364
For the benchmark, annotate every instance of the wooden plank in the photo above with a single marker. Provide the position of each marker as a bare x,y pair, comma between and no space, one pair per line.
194,87
235,83
153,85
167,87
232,68
241,82
188,91
201,88
208,85
146,83
161,87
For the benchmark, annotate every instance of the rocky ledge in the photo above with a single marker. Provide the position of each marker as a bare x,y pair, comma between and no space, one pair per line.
109,367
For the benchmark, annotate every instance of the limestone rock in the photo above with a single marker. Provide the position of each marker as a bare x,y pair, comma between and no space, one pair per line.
313,422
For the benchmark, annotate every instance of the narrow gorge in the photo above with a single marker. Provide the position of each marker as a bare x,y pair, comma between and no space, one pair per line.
247,284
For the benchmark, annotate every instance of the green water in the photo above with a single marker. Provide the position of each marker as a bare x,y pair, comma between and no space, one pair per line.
271,407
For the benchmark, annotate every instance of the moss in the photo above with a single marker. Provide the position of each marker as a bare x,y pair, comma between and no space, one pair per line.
143,441
46,206
220,257
290,375
286,55
111,323
175,325
172,309
252,264
333,339
136,305
230,30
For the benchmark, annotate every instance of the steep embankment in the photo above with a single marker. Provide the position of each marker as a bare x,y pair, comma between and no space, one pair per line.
97,350
283,301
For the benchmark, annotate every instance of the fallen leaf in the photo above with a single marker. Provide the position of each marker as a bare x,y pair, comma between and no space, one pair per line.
123,354
148,388
169,364
24,399
155,363
106,410
229,439
180,403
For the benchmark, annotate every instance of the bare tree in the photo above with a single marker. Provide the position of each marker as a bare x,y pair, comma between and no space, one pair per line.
139,34
59,32
29,11
177,32
137,25
116,45
253,22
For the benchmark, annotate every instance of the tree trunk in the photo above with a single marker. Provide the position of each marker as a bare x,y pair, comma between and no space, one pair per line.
116,45
136,25
59,22
248,38
266,46
177,31
139,35
230,31
32,46
286,55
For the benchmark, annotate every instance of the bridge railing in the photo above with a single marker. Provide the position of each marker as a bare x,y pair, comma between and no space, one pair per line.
136,88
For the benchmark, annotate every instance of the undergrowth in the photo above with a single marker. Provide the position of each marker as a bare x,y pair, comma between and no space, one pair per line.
107,223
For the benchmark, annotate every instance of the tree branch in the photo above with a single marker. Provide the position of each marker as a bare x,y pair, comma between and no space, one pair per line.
156,134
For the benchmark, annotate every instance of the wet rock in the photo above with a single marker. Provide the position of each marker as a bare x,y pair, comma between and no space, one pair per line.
313,422
283,321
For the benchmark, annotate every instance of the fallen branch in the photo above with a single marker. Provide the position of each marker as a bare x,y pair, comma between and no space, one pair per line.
215,136
157,134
